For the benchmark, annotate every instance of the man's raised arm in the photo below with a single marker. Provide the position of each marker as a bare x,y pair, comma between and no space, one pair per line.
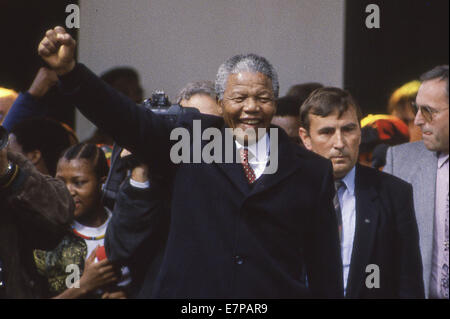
133,127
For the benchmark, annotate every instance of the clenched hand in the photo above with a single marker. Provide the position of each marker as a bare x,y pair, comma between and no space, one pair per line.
57,48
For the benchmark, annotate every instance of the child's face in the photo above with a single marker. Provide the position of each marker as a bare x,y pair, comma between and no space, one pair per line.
82,183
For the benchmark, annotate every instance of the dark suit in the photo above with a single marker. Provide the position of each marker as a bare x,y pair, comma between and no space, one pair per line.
228,239
137,234
386,234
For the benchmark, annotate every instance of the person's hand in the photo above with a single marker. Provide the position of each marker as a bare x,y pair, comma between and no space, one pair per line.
45,79
138,173
57,48
3,161
97,274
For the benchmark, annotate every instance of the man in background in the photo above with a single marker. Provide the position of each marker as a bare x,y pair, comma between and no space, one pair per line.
286,117
374,210
425,165
201,95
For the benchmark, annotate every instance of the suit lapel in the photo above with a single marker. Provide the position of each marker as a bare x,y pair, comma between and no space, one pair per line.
287,163
367,213
423,178
233,171
424,181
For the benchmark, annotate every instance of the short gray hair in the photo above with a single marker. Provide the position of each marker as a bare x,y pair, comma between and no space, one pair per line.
245,63
199,87
439,72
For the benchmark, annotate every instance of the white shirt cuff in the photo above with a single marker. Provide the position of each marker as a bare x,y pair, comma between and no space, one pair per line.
139,184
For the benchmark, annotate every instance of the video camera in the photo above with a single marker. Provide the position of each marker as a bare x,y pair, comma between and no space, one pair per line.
159,103
3,137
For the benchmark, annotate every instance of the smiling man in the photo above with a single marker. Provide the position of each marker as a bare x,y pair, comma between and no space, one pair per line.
374,210
235,232
425,165
248,102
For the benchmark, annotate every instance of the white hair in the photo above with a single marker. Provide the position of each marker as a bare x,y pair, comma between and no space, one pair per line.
245,63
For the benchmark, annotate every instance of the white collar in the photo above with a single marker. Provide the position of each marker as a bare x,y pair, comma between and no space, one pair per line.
349,181
442,158
259,150
85,230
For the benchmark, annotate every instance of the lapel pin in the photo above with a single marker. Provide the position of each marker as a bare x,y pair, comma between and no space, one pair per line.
367,221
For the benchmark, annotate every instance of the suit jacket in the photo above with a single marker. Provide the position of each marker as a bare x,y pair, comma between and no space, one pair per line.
227,239
35,212
137,234
414,163
386,235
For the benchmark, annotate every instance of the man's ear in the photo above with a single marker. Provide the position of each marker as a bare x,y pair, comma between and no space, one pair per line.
306,139
34,157
220,107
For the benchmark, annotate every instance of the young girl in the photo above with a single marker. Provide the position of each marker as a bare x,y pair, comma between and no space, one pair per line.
83,168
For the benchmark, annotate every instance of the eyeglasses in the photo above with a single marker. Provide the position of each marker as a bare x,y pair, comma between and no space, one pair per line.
427,112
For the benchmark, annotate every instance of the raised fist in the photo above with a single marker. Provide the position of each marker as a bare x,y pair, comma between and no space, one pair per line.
57,48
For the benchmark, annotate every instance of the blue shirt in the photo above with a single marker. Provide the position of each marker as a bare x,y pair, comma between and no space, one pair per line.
347,203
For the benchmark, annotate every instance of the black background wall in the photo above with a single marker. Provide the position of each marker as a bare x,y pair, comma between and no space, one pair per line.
23,24
412,38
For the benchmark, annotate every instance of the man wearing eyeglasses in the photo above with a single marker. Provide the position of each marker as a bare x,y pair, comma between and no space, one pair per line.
425,165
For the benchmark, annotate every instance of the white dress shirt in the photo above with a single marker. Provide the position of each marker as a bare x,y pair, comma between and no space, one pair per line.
139,184
440,212
347,202
258,154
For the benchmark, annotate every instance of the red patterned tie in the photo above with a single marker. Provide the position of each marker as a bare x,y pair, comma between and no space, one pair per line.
249,173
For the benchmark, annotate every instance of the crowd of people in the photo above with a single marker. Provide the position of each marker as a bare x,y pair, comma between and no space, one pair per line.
357,207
